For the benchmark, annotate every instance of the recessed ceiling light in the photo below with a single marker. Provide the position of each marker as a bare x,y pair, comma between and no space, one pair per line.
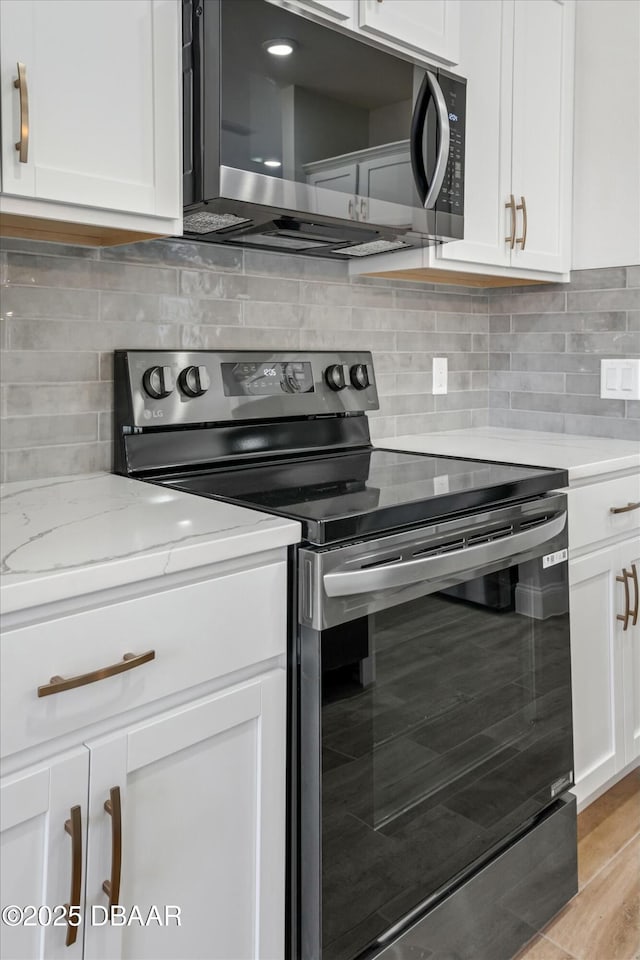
279,47
272,163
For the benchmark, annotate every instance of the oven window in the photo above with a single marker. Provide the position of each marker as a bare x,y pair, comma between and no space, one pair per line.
446,726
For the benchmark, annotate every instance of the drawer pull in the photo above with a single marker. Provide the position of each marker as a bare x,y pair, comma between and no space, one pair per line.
627,608
112,886
629,507
128,662
73,827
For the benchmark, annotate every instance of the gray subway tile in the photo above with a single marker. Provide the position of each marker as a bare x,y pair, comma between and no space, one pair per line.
238,338
526,381
633,319
597,279
435,342
383,427
604,427
590,300
435,422
499,323
41,431
526,342
604,321
137,307
261,314
546,322
88,274
370,318
633,409
333,294
480,342
31,366
193,310
498,361
178,253
586,384
465,400
376,340
533,301
499,398
479,380
480,418
556,362
567,403
604,343
23,400
367,296
325,318
75,334
49,303
462,322
38,463
230,286
633,276
303,268
527,420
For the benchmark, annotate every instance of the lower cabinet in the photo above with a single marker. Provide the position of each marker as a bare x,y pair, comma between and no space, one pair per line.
37,857
180,825
605,640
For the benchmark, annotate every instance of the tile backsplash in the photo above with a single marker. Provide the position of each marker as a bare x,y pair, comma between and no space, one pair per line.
523,358
545,347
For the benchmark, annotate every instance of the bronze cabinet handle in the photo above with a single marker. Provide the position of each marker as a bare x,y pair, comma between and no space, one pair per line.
523,206
128,662
627,610
634,576
511,205
112,886
73,827
629,507
21,84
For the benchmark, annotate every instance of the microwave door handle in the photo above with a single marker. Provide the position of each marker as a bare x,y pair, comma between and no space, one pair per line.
344,583
444,136
418,120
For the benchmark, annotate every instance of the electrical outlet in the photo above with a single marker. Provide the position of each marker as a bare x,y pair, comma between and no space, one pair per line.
439,375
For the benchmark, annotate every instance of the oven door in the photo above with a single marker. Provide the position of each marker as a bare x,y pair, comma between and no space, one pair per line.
435,714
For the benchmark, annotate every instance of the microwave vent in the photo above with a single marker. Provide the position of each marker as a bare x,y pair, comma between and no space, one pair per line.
374,246
210,222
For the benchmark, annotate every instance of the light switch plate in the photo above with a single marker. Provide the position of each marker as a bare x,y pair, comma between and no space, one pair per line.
620,379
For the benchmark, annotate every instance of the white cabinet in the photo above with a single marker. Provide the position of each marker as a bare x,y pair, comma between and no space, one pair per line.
518,58
202,800
606,165
37,855
605,633
188,748
101,87
431,26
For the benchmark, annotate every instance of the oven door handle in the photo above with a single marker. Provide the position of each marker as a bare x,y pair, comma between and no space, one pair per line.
344,583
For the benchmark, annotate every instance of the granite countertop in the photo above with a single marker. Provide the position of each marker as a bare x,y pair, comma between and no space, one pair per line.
67,537
584,458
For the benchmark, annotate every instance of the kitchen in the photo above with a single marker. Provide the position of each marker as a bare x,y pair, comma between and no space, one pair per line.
523,324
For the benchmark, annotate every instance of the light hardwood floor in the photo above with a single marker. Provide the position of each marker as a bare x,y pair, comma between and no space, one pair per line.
603,921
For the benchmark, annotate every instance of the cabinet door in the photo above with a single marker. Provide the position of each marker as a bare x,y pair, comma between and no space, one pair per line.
202,793
432,26
542,131
36,863
103,97
342,181
486,60
630,643
596,669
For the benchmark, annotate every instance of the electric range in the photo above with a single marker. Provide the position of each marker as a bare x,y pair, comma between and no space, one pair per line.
430,739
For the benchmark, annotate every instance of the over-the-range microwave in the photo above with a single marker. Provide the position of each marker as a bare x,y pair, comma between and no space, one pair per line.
302,139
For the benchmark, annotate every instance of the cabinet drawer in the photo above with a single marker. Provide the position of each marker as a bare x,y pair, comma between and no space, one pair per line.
590,516
198,632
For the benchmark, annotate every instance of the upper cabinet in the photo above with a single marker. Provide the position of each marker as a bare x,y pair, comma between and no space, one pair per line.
606,159
91,113
425,30
518,58
432,26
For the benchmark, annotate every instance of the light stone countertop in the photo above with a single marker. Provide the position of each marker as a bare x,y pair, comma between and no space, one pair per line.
70,536
584,458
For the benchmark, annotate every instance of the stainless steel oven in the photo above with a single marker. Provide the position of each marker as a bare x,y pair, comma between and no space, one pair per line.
435,718
429,716
336,149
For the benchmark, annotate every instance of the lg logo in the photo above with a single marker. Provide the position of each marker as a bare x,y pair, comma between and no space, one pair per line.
153,414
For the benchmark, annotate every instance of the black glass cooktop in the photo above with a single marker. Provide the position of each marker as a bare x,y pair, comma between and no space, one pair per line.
368,491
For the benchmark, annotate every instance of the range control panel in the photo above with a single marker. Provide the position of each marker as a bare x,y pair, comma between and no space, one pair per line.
164,388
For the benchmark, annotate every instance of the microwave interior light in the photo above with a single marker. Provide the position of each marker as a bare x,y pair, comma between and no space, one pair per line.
280,47
272,163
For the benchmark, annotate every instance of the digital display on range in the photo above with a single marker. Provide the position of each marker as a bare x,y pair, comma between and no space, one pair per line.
249,379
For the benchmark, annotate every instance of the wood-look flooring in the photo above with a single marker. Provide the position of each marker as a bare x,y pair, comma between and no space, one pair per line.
603,921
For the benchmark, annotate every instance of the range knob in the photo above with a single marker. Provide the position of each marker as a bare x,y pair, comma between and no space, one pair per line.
336,376
158,382
360,376
194,381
